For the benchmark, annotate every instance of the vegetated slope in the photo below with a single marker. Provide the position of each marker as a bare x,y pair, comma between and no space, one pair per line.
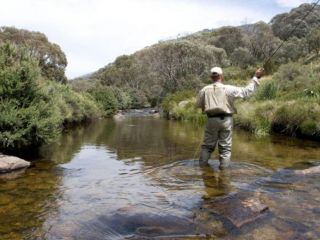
152,73
171,72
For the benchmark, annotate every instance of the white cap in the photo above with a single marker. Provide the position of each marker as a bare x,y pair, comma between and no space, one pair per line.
217,70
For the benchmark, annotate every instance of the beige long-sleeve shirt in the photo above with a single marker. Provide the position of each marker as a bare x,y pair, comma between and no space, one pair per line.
218,98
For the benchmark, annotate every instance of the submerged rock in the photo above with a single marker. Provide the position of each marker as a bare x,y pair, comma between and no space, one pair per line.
119,117
10,163
136,225
238,208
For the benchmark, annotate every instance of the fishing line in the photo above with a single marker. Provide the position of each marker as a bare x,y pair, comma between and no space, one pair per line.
291,32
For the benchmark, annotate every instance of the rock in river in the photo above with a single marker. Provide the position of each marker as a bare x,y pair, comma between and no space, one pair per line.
10,163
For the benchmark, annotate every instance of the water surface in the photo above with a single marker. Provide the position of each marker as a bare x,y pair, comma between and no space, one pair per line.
137,179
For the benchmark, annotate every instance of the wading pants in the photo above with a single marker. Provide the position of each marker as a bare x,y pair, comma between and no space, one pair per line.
218,131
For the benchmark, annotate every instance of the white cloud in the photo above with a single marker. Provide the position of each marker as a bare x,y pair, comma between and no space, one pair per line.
93,33
291,3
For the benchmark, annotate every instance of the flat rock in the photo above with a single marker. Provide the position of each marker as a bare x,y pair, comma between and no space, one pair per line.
239,208
307,171
10,163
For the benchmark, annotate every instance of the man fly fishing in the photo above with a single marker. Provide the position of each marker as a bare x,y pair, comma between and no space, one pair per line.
217,101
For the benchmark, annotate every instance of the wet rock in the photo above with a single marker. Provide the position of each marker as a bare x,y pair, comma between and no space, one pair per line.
119,117
308,171
10,163
137,224
238,208
156,115
153,111
12,175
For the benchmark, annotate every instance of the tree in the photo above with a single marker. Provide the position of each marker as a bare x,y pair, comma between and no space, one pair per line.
229,38
292,50
27,117
242,57
182,64
262,41
284,24
52,60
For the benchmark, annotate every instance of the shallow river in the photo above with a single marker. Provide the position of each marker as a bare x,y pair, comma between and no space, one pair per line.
136,179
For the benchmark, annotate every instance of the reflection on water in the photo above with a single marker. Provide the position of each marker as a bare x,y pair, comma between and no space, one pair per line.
136,177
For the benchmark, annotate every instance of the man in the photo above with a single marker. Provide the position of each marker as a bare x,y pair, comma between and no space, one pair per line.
217,101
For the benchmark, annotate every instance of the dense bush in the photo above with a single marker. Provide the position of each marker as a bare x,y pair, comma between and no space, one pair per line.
295,80
33,111
26,115
268,90
182,106
73,107
107,99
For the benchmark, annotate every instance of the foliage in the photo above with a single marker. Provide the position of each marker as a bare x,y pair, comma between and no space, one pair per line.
107,99
242,57
229,38
73,107
267,91
313,41
173,99
33,111
283,24
52,60
182,106
26,116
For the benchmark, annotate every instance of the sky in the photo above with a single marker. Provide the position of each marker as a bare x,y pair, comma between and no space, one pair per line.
93,33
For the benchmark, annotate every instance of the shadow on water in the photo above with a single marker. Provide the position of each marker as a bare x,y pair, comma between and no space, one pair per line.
134,179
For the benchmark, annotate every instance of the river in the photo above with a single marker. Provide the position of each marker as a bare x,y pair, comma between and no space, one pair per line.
136,179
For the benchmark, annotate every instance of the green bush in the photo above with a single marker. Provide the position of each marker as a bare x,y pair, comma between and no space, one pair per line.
123,98
298,117
256,117
267,91
295,80
26,116
171,100
107,99
182,106
73,107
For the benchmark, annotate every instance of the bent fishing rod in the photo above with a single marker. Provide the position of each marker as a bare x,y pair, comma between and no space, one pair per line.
291,32
268,59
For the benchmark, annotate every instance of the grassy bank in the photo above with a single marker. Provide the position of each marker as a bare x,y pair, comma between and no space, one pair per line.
287,102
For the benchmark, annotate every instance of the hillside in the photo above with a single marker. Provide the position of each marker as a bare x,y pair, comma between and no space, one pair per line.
169,66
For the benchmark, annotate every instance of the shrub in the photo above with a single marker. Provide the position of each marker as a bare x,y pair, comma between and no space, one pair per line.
123,98
298,117
26,116
107,99
171,100
237,75
72,106
267,91
256,117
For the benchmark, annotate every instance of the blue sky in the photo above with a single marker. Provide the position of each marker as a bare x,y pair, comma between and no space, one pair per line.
93,33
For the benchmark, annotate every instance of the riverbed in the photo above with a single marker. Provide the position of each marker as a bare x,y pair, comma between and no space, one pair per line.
137,178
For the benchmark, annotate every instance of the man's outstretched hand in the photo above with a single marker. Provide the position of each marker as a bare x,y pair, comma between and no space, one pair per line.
259,72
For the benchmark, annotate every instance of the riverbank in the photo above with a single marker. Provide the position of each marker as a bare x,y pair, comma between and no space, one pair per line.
287,103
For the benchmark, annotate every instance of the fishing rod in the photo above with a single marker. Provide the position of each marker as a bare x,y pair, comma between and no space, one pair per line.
268,59
291,32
